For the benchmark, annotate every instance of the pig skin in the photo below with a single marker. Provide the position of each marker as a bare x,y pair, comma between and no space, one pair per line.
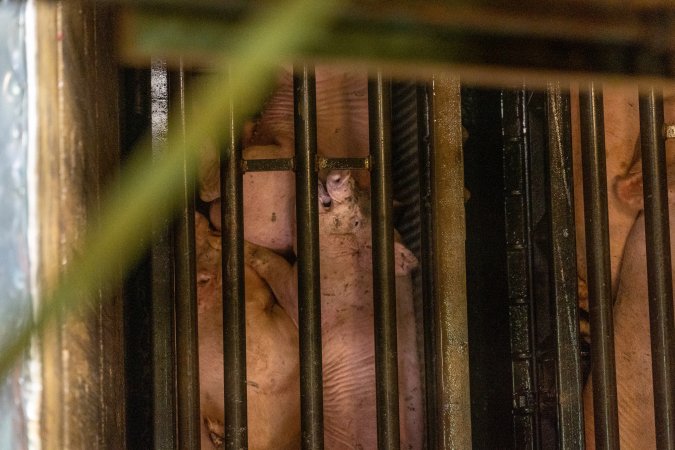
269,197
632,343
621,135
632,349
269,202
347,320
272,365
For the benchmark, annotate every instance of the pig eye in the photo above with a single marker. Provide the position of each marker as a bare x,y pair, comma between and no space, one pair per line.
327,202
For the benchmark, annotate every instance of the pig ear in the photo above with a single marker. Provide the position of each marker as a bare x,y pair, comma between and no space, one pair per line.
405,261
247,133
629,190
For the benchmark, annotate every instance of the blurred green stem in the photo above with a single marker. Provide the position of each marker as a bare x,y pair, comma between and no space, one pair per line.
146,191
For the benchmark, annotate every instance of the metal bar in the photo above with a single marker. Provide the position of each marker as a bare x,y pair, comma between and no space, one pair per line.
163,357
425,132
563,270
568,36
234,320
343,163
384,287
281,164
309,289
518,225
597,257
187,370
267,165
449,267
659,273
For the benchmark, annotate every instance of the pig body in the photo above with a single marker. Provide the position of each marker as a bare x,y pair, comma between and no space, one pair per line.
632,342
347,320
269,197
621,135
632,347
272,366
269,202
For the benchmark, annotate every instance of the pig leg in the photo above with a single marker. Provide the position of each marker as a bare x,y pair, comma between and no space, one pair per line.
278,273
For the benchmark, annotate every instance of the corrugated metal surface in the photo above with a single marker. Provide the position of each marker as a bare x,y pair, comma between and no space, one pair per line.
15,303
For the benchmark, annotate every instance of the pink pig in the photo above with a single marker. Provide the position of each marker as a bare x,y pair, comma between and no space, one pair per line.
272,365
347,319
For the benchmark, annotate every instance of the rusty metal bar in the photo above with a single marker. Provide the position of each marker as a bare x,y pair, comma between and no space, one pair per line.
267,165
309,289
384,287
597,257
659,273
343,163
563,270
234,320
425,139
449,267
187,370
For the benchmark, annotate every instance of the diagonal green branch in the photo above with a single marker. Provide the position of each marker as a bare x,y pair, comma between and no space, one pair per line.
146,190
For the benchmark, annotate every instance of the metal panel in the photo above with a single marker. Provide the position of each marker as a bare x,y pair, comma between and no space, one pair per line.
78,157
384,288
309,289
657,232
597,257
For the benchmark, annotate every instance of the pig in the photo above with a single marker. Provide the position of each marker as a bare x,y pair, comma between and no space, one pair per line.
272,364
342,131
269,199
631,324
347,318
621,138
621,113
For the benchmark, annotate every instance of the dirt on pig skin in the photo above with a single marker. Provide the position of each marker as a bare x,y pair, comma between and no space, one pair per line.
347,320
272,364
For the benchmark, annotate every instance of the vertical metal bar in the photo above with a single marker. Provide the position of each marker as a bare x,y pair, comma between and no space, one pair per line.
597,257
164,395
234,319
187,370
518,224
563,270
425,131
309,290
449,267
659,273
384,287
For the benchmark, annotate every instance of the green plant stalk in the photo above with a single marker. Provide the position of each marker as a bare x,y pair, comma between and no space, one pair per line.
148,191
